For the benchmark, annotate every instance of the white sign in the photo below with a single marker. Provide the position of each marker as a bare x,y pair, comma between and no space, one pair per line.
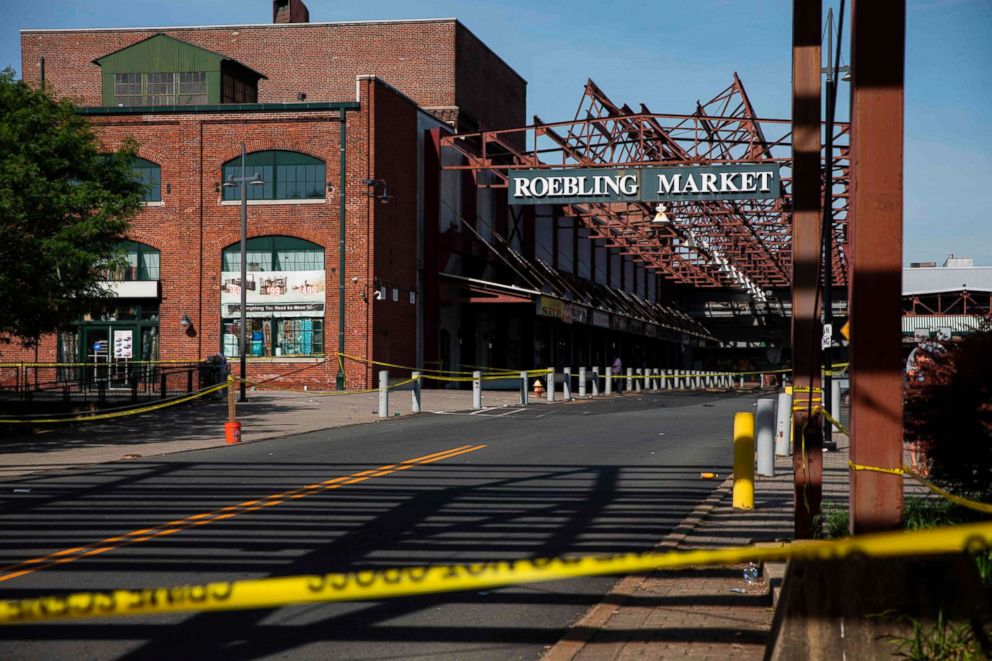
123,344
828,335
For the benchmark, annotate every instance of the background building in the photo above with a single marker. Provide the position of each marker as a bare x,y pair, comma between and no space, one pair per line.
343,123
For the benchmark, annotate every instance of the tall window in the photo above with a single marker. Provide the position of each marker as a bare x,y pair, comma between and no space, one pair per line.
173,88
150,175
286,175
285,274
275,253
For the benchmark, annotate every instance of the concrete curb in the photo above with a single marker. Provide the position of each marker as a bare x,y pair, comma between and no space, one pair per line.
580,633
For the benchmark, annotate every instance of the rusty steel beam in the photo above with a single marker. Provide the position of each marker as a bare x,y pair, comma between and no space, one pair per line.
878,44
806,250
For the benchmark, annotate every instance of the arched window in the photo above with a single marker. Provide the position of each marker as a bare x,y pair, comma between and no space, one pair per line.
150,175
285,175
140,262
285,292
275,253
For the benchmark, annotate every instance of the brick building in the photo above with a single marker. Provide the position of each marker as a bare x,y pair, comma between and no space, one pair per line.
341,123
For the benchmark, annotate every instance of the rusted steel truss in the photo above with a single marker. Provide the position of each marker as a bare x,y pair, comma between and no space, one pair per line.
733,244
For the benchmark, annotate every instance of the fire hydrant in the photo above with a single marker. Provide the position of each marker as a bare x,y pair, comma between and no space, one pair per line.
538,388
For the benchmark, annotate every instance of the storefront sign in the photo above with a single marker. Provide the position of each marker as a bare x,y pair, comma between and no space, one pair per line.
619,323
580,314
745,181
551,307
274,293
636,326
276,310
650,330
600,319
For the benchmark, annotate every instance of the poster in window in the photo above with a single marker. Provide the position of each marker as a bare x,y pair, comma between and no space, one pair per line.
274,293
123,344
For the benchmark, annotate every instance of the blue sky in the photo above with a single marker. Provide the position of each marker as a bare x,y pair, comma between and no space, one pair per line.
668,53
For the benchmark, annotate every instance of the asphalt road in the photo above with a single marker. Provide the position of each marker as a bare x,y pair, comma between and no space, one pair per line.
588,477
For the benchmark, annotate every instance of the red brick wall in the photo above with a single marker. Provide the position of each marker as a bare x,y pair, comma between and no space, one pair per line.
487,88
192,227
321,60
394,159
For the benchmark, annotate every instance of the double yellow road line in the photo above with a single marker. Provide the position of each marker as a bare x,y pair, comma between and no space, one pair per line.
172,527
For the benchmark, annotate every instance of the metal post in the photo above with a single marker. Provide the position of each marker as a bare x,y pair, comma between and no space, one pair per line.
783,425
741,386
243,334
806,252
630,379
595,381
477,390
566,384
582,382
342,179
834,404
550,378
415,393
608,371
383,393
764,424
878,44
523,388
163,385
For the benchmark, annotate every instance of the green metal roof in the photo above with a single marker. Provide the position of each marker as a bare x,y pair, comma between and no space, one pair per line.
162,53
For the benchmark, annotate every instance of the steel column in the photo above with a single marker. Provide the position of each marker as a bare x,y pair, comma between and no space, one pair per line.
806,237
878,44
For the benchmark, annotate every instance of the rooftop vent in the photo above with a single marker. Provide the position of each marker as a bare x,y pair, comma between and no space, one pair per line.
290,11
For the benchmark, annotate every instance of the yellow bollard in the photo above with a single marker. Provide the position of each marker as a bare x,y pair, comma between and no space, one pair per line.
744,461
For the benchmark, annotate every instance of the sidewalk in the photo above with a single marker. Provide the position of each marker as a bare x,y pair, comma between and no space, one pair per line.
701,613
268,414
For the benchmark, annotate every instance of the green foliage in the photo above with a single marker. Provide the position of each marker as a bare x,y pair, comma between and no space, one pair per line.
833,520
942,641
64,204
920,513
950,414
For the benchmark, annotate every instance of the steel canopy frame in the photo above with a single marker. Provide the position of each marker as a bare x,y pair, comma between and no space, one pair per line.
714,244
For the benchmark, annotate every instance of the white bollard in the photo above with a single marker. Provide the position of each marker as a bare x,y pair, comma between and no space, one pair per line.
550,379
383,393
834,407
595,382
477,390
630,379
608,371
657,378
742,382
637,381
566,384
415,393
523,388
783,425
582,382
764,426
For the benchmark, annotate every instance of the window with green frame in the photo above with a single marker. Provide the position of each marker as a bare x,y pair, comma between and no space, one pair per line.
140,262
275,253
275,337
150,175
285,175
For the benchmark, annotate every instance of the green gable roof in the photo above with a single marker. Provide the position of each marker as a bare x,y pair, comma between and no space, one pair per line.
162,53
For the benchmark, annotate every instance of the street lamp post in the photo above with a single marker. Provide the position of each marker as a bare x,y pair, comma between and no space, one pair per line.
243,182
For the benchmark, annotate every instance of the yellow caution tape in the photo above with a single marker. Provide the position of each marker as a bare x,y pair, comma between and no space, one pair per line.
943,493
87,417
373,584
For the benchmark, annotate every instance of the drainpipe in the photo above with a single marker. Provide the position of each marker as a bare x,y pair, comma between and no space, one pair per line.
339,381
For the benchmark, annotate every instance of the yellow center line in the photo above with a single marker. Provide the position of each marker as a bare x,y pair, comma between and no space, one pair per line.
145,534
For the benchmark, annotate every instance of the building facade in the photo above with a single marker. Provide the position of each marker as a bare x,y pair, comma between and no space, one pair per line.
359,247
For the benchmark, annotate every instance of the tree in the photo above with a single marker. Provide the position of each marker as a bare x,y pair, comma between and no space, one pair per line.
65,203
949,411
